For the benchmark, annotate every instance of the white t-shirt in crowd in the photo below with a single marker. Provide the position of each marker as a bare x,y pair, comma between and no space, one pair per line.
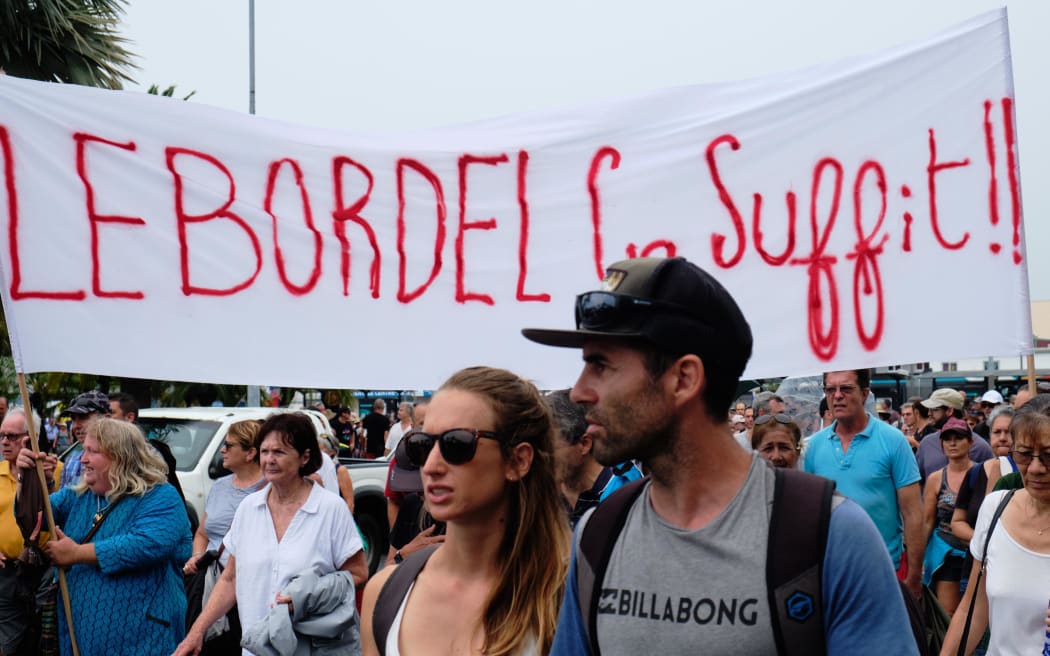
395,435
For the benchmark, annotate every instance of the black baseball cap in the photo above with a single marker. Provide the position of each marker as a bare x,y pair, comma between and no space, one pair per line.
668,302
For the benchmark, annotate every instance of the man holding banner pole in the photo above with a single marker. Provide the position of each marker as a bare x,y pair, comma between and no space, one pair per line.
48,470
20,567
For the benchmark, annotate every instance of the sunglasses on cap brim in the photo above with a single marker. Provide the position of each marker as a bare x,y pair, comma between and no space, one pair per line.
603,310
457,446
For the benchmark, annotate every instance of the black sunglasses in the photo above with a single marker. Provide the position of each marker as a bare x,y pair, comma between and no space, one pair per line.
780,417
599,310
457,445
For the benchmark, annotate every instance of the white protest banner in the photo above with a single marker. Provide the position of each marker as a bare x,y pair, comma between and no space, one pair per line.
849,208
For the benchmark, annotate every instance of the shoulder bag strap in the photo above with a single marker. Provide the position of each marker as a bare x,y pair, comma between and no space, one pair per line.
597,541
980,572
393,593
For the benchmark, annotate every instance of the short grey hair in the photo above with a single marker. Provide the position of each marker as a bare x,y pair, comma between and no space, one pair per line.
19,410
999,411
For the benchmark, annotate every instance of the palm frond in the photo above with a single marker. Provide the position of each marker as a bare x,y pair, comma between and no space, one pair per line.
73,41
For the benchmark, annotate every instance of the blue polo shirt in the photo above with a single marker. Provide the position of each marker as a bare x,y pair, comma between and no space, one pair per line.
878,463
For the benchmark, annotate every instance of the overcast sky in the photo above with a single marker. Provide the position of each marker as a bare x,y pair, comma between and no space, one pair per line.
396,66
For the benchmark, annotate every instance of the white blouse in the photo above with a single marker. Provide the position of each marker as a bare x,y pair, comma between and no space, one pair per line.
322,534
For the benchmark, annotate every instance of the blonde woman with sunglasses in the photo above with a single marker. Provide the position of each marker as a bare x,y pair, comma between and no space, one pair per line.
486,463
240,456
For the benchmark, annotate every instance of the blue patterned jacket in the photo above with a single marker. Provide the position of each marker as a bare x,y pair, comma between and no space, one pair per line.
133,602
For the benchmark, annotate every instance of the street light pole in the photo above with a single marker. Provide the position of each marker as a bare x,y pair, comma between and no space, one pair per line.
253,390
251,56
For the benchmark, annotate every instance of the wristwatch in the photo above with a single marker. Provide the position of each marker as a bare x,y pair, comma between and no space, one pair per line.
397,557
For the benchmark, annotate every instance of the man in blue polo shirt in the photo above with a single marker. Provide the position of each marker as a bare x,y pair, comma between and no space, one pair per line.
871,463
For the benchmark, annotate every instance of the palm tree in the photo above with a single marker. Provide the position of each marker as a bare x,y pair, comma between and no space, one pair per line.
73,41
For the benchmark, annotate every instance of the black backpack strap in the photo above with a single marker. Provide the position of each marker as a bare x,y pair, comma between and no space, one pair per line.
798,536
596,545
393,593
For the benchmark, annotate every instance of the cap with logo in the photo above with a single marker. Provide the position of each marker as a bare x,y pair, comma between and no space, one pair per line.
87,403
945,398
668,302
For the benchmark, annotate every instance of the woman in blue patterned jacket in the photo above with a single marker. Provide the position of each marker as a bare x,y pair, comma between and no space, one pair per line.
125,583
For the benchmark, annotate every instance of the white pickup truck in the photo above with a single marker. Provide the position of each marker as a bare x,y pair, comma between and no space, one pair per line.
195,435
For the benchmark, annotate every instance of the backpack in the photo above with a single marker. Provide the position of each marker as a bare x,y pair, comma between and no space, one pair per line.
798,536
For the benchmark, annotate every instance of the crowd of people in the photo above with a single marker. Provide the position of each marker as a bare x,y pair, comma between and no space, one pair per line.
926,491
754,531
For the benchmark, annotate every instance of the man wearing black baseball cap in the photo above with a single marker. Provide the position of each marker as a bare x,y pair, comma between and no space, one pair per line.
664,345
82,409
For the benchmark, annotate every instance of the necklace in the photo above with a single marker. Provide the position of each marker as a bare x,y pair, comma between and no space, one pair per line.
1035,514
99,508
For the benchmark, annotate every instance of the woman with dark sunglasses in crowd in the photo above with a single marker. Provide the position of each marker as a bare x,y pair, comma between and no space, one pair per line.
487,469
777,438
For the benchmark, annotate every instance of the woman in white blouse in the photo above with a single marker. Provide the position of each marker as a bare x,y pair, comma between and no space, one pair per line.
287,527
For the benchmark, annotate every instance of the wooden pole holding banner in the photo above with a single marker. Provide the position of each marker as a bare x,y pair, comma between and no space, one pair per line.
63,587
1031,373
